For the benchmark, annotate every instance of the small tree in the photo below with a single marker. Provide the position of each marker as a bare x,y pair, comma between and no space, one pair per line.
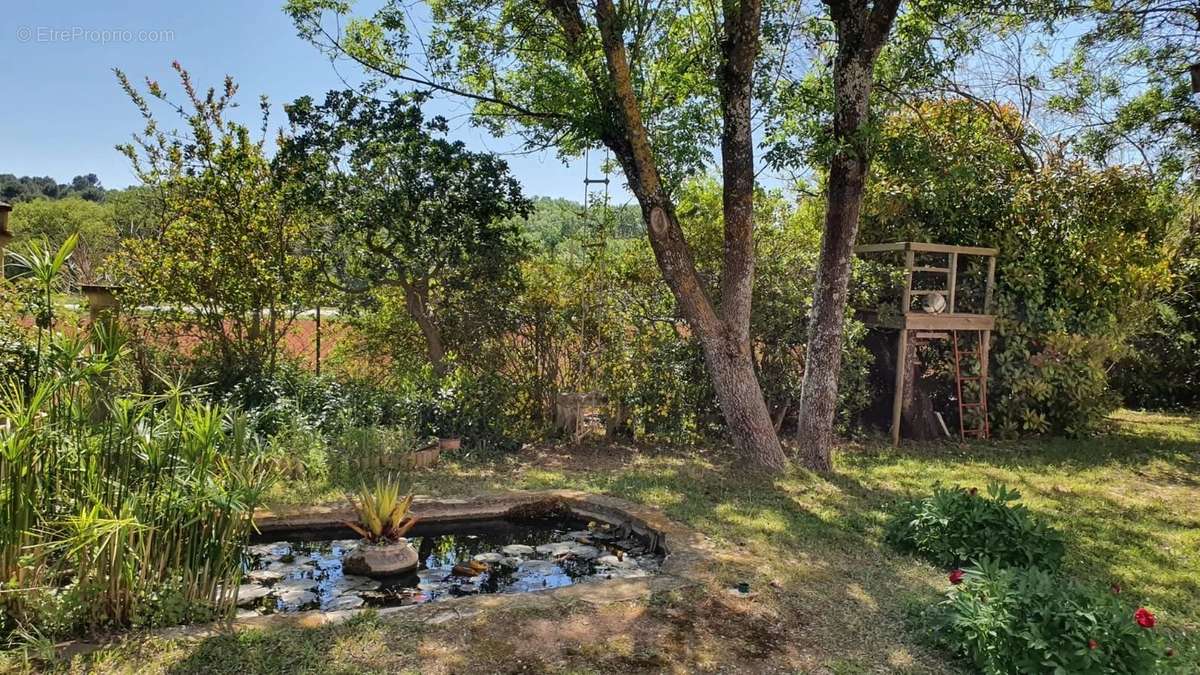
228,256
409,209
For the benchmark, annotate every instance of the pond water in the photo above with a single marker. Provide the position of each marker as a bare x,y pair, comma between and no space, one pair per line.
302,570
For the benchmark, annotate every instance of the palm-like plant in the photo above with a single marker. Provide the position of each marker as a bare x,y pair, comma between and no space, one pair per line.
44,265
382,511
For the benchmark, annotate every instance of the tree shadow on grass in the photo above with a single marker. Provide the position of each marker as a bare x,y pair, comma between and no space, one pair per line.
1125,445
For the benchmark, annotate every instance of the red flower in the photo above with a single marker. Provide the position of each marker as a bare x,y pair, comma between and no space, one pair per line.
1144,617
956,576
1092,644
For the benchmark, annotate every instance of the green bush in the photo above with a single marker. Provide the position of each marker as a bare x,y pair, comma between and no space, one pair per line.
294,396
1083,253
954,526
299,453
360,449
1027,620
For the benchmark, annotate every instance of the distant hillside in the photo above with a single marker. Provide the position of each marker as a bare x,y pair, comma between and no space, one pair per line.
28,188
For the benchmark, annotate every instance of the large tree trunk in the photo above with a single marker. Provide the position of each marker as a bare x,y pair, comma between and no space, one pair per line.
416,301
823,363
861,31
741,399
724,335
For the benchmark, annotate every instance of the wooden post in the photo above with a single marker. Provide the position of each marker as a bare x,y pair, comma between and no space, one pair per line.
985,345
991,280
5,235
909,262
901,367
318,340
951,280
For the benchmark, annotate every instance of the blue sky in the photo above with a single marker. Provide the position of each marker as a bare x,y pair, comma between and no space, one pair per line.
61,110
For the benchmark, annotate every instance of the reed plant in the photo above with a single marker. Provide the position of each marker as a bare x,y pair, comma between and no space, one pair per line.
118,502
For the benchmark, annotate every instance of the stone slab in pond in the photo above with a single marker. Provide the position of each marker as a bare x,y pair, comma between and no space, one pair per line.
344,602
538,567
518,550
554,548
290,585
248,594
264,576
354,583
297,598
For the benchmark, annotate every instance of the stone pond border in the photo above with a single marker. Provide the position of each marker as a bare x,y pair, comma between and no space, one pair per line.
686,551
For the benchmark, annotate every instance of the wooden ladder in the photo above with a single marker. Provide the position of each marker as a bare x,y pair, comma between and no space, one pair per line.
978,407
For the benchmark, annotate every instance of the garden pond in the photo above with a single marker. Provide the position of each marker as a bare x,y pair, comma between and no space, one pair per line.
302,569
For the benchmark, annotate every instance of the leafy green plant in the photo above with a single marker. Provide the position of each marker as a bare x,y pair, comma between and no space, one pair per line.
300,453
364,448
957,525
43,266
382,511
107,500
1028,620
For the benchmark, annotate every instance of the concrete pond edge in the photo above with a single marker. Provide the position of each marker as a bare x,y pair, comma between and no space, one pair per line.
686,551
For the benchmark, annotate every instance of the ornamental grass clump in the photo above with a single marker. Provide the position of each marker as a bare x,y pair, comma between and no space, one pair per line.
118,510
955,526
1027,620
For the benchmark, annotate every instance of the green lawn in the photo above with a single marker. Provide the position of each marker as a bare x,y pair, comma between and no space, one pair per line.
831,597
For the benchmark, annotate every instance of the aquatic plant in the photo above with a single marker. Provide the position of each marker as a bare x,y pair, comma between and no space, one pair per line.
382,511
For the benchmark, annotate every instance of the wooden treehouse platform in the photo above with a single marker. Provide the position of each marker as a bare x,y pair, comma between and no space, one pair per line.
937,317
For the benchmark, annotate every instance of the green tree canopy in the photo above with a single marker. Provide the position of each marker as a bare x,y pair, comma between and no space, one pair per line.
408,208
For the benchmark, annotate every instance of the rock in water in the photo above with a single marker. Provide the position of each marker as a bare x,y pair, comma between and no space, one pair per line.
344,602
557,548
296,599
265,576
380,560
538,567
617,563
517,550
353,583
290,585
248,594
584,551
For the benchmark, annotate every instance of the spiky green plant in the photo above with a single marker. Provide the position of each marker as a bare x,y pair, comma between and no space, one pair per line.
154,495
45,265
382,511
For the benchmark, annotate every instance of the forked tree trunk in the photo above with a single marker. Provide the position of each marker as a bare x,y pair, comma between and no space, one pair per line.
861,32
741,399
416,301
724,335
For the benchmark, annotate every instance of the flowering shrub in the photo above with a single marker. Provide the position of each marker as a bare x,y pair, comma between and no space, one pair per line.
1027,620
956,525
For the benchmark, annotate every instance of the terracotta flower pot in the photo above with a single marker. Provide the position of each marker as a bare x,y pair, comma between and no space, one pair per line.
381,560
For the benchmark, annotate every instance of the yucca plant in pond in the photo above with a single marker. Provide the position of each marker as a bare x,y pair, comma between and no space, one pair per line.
383,520
115,509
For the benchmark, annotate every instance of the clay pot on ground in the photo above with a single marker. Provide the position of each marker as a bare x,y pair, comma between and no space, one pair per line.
380,560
